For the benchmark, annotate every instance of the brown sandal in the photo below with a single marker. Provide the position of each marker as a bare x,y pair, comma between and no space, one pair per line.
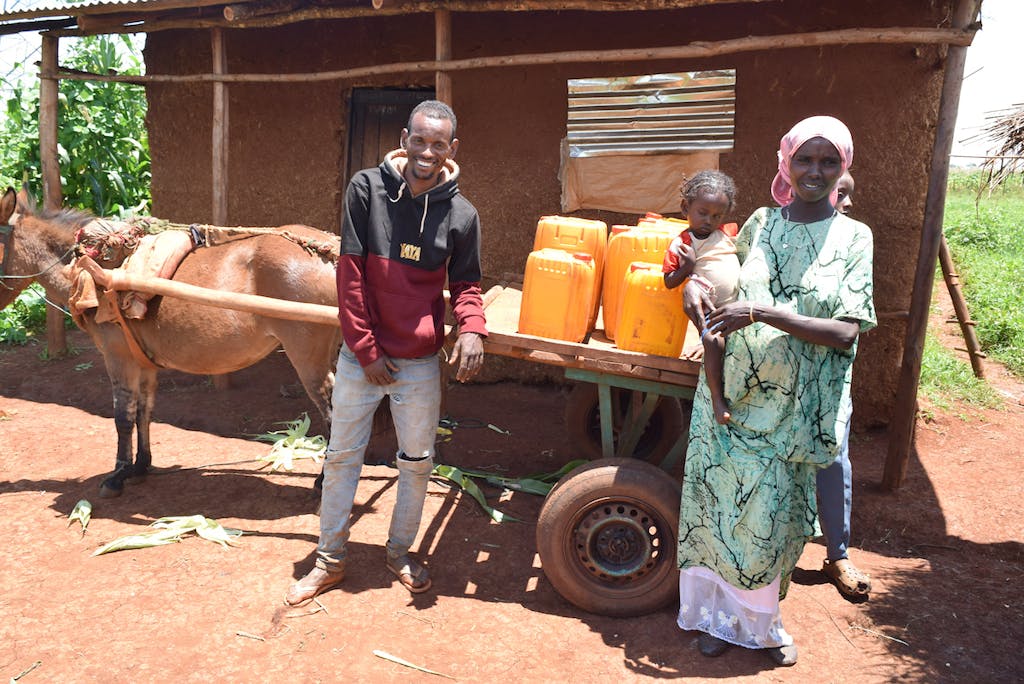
411,574
316,582
851,582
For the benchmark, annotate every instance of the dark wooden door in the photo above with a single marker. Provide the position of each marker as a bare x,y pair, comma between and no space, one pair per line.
377,117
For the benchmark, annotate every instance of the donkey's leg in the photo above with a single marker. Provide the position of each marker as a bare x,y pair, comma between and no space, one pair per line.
126,396
313,351
143,417
313,355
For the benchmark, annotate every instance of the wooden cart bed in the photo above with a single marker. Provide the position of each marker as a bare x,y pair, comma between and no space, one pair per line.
596,353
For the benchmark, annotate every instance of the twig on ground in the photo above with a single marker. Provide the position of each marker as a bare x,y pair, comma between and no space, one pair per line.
318,609
257,637
884,636
322,606
935,546
395,659
838,628
415,617
27,670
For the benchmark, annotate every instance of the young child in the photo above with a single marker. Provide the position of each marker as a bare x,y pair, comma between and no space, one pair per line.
835,486
844,190
706,199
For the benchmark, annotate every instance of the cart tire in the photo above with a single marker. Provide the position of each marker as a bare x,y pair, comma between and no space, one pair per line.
607,537
583,423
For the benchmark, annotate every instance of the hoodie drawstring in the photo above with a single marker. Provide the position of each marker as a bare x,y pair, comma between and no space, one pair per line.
426,203
399,196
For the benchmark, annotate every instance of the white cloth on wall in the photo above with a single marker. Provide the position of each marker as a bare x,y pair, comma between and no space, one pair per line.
629,184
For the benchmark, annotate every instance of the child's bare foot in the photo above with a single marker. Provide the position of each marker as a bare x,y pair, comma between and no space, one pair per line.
695,352
721,408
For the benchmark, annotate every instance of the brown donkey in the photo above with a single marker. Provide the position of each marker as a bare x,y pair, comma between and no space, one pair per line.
193,338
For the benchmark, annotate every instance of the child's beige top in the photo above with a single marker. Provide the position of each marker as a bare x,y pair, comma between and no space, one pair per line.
717,261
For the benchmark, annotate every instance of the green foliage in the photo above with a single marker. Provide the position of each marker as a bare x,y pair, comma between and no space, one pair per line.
24,318
102,146
987,243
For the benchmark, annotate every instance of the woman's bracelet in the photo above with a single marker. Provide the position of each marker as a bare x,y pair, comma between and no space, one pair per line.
752,313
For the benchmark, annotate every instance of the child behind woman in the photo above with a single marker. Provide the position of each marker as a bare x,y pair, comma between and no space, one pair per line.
706,200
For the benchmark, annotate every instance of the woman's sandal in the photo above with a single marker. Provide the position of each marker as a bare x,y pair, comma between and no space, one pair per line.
411,574
851,582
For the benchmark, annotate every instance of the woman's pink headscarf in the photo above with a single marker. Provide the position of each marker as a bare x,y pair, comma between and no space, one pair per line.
827,127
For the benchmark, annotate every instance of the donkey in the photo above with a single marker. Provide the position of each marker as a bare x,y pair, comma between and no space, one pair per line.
38,246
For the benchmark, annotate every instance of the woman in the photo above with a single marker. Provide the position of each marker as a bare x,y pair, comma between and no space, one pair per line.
748,500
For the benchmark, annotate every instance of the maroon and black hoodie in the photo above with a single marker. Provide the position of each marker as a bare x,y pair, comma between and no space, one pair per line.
396,250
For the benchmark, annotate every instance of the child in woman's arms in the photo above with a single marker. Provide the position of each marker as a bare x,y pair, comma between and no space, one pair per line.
706,253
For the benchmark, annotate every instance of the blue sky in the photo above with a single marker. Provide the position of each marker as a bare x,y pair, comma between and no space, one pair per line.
993,81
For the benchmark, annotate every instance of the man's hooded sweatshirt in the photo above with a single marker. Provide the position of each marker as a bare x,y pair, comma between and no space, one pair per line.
396,251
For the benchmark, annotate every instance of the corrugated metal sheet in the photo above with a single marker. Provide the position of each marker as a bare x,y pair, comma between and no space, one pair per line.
652,114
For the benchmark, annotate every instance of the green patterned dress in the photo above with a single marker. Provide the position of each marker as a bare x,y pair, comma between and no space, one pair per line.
748,497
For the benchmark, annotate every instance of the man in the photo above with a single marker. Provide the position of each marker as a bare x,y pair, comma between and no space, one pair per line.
405,227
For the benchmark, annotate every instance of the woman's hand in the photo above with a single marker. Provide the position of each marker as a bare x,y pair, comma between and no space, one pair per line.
730,318
697,304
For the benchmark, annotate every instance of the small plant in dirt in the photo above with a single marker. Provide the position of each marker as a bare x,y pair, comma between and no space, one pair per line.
947,381
24,318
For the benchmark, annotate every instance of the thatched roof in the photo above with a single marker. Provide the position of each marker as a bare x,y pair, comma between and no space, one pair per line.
1006,132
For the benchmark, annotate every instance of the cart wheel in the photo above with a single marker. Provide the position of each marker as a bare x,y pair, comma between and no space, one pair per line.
583,423
607,537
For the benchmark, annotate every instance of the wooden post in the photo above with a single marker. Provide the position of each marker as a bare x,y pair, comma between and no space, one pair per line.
963,316
220,132
905,412
53,195
219,151
443,53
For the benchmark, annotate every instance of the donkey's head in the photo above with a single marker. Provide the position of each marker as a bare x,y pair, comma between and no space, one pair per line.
28,247
8,205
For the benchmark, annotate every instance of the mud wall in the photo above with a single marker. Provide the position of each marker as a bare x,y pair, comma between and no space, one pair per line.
287,147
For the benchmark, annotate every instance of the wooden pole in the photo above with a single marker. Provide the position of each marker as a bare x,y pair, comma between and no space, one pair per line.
220,132
963,316
121,280
219,152
859,36
53,195
443,53
905,412
256,15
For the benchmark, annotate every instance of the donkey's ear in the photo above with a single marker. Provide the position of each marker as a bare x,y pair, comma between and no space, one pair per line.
25,203
7,205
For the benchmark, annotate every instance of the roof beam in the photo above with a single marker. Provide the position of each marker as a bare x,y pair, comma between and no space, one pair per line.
698,50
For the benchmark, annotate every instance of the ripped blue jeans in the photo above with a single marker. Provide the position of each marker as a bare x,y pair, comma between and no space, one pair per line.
415,400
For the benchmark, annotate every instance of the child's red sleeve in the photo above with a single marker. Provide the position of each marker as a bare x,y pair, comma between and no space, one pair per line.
671,261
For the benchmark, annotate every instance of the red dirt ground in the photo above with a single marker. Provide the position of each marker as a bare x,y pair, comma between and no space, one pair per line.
945,553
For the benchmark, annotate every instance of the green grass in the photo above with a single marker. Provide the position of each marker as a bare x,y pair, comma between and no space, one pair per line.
947,380
986,238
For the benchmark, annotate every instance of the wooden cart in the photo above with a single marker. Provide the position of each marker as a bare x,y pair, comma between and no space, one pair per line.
607,533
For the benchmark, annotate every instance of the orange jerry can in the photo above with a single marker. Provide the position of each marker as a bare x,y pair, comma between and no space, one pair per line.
557,290
574,234
637,244
651,318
